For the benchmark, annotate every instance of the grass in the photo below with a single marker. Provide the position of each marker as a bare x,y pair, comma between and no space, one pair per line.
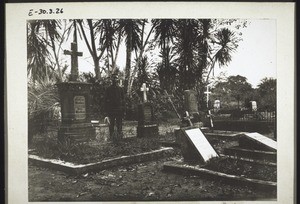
242,168
46,145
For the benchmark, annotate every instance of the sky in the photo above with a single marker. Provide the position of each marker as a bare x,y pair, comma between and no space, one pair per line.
255,58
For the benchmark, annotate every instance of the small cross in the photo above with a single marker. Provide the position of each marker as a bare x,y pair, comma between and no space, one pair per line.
188,118
144,89
207,92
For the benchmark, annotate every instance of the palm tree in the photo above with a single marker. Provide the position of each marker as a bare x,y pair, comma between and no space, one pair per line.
145,45
227,43
130,29
164,33
111,37
38,56
166,69
51,27
186,48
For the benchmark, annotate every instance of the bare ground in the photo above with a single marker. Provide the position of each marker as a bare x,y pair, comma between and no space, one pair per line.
138,182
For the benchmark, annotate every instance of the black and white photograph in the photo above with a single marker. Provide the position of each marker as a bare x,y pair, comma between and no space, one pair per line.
177,106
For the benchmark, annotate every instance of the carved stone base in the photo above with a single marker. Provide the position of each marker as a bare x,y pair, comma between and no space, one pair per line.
76,132
150,130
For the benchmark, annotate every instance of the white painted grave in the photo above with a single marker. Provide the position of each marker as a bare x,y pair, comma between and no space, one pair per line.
201,143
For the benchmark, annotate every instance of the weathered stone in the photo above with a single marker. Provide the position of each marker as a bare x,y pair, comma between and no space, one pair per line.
195,147
75,103
190,102
257,141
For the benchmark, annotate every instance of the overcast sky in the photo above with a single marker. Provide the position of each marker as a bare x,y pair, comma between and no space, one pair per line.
255,57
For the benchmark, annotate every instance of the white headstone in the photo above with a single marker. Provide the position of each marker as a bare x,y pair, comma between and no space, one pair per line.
201,143
217,104
254,105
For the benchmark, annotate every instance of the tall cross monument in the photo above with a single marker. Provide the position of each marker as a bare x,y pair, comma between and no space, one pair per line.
75,101
74,56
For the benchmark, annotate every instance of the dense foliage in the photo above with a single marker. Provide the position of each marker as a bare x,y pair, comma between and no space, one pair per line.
236,93
170,55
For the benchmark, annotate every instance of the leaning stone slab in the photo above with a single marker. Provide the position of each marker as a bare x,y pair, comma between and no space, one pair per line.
72,168
258,141
195,146
196,170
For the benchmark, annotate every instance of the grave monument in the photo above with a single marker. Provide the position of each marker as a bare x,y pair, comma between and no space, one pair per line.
191,108
217,105
253,106
257,140
75,103
194,146
193,143
147,126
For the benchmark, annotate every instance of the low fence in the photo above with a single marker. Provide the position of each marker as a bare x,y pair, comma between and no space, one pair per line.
252,116
245,126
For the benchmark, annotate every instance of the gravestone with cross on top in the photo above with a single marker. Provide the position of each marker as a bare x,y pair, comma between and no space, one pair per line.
75,102
147,126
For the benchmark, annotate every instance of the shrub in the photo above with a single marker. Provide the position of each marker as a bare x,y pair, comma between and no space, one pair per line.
43,107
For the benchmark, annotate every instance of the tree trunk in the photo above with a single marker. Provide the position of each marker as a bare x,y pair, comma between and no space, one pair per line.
97,68
128,67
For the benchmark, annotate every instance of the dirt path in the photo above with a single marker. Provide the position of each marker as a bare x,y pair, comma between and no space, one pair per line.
139,182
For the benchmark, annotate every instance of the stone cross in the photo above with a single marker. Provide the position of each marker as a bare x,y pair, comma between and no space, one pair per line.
144,89
207,92
74,57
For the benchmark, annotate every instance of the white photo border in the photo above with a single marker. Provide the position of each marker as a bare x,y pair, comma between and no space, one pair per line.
16,73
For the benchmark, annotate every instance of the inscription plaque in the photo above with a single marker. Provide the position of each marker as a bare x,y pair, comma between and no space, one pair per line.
147,113
202,145
195,146
79,107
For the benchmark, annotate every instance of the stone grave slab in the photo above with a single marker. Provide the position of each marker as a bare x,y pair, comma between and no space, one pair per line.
257,141
190,102
195,147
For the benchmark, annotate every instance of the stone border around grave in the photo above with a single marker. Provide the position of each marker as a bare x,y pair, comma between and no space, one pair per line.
249,160
235,135
71,168
255,154
179,168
